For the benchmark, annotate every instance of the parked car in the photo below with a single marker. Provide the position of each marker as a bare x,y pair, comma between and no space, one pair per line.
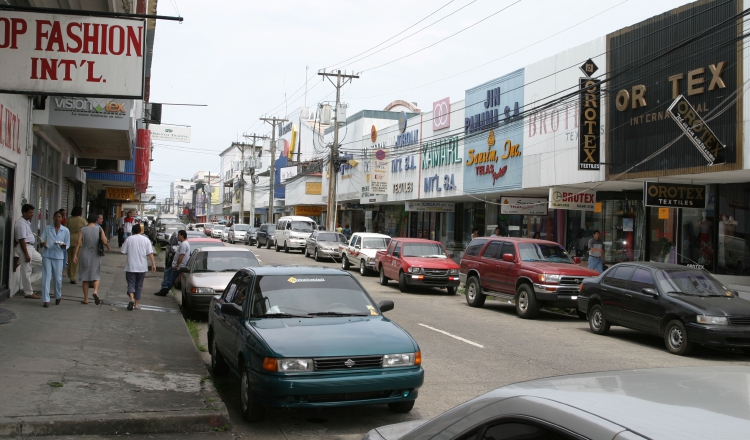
217,231
292,232
198,227
417,262
528,273
197,243
266,235
237,233
171,249
208,228
251,236
166,230
361,249
208,272
323,244
683,305
310,337
674,403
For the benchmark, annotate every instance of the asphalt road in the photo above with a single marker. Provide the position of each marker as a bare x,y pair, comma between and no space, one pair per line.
465,352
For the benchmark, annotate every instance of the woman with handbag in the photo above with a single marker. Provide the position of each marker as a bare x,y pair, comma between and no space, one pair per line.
88,256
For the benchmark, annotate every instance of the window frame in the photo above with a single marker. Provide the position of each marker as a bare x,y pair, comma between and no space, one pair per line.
497,243
626,280
653,281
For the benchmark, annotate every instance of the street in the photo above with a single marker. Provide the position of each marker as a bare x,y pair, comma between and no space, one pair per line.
466,352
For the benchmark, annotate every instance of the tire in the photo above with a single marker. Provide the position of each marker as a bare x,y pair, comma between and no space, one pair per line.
345,263
581,315
451,290
316,255
363,270
598,323
257,243
401,407
383,278
527,306
286,248
251,411
474,295
268,244
676,339
307,254
277,247
185,303
402,286
219,366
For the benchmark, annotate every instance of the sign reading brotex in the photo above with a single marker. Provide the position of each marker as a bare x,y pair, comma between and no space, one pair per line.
562,198
674,195
54,54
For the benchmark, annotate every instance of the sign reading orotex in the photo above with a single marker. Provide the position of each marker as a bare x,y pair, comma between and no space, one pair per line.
674,195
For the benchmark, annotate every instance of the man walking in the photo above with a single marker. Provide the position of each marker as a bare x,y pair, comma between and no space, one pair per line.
137,248
180,260
121,228
596,253
128,223
25,251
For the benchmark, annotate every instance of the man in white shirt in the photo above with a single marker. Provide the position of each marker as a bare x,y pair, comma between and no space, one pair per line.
180,260
24,249
137,247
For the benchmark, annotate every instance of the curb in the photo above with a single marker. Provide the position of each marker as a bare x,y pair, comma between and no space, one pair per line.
115,424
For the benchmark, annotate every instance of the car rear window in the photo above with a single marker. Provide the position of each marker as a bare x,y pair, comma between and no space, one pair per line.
223,261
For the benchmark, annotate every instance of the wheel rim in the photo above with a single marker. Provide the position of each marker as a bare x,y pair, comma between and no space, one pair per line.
471,292
362,267
523,301
676,338
244,387
596,319
316,255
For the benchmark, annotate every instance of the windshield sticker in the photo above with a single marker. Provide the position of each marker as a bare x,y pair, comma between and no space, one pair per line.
373,312
294,280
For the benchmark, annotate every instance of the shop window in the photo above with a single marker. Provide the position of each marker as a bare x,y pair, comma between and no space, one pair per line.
734,229
622,225
696,244
663,235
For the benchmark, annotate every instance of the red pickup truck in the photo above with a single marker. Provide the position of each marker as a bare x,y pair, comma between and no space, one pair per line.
528,273
417,262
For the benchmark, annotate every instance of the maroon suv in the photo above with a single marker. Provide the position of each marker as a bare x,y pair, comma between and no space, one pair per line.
529,273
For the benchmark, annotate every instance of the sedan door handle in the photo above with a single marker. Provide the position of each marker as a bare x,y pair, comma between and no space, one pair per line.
627,295
603,289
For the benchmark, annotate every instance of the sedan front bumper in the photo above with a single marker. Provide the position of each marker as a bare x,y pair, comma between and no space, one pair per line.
296,243
737,336
329,389
328,253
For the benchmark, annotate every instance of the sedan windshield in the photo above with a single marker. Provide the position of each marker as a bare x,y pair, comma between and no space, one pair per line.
223,261
551,253
314,295
375,243
428,250
690,282
219,227
241,227
332,237
302,226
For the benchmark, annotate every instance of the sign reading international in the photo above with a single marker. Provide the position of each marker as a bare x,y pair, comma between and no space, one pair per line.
523,206
57,54
565,198
697,131
126,194
674,195
589,141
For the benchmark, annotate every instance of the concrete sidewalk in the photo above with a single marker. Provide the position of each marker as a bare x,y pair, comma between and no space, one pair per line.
74,369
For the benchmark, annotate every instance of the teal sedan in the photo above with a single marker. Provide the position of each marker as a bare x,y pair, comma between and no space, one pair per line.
310,337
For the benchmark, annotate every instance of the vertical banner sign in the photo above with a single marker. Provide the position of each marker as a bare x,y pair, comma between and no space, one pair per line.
589,141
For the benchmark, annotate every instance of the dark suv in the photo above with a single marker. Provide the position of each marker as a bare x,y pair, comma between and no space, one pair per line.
266,235
528,273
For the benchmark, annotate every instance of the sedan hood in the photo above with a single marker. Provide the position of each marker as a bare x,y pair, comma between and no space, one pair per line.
432,263
717,306
332,337
398,430
215,280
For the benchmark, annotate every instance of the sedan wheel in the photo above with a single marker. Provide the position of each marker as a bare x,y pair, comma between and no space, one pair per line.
363,268
307,254
251,411
676,339
316,255
401,407
286,248
345,263
597,322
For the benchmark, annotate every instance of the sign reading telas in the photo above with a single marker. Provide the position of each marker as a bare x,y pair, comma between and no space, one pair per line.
563,198
523,206
55,54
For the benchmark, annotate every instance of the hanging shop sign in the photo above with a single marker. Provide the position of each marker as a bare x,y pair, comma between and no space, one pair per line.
57,54
590,113
436,183
173,133
379,180
100,113
114,193
523,206
314,188
441,114
697,131
565,198
440,152
308,211
589,68
429,207
373,134
674,195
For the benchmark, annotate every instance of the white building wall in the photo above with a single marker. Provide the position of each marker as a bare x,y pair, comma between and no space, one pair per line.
442,173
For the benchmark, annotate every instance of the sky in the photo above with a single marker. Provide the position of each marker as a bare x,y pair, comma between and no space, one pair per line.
245,59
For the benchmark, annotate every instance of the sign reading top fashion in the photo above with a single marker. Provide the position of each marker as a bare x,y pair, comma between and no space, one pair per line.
674,195
706,71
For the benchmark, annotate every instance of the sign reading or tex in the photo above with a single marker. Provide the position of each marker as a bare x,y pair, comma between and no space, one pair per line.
127,194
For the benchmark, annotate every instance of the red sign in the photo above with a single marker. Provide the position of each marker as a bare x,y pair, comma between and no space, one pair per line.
142,160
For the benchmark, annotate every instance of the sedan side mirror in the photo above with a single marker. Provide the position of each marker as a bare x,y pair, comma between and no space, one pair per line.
185,269
509,258
231,309
649,291
385,306
577,260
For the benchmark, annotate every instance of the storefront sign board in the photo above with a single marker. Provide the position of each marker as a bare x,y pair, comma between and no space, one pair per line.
697,131
308,211
379,177
566,198
101,113
429,207
674,195
173,133
590,109
114,193
523,206
287,173
313,188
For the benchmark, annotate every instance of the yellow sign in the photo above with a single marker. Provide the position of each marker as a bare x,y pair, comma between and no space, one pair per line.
598,207
314,188
308,211
127,194
663,213
215,196
491,138
293,142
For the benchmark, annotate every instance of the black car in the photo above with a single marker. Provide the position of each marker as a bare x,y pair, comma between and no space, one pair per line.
174,244
683,305
266,235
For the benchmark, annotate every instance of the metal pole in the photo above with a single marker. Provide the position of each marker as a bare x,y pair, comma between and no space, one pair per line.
333,175
242,184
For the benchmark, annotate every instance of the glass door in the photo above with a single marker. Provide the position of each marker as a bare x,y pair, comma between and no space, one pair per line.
663,232
6,223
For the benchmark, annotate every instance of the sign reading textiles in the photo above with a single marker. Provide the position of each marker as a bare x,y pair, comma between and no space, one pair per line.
523,206
313,188
674,195
697,131
308,211
563,198
590,112
126,194
56,54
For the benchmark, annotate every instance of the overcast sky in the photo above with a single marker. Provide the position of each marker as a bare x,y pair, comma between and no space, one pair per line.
248,58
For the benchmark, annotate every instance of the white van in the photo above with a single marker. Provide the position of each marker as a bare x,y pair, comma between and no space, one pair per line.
292,232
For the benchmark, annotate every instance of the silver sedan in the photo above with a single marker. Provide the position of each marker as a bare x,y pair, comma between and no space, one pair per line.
322,244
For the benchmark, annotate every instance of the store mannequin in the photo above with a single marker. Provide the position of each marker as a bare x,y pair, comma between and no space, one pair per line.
730,226
704,227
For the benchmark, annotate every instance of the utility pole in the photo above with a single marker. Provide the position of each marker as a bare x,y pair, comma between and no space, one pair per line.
333,170
241,146
208,203
272,176
252,179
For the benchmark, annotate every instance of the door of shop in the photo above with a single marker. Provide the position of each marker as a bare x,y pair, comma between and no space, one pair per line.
7,214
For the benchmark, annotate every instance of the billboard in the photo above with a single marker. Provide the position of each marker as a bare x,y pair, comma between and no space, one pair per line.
101,113
58,54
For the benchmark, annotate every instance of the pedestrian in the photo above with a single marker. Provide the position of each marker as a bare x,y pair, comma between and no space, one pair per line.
496,232
347,231
596,253
56,240
121,229
128,223
178,262
474,233
75,223
339,228
537,235
24,250
65,217
137,248
87,256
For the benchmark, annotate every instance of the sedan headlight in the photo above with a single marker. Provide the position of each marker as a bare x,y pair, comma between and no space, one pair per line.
402,360
415,270
453,272
548,278
288,365
714,320
202,290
